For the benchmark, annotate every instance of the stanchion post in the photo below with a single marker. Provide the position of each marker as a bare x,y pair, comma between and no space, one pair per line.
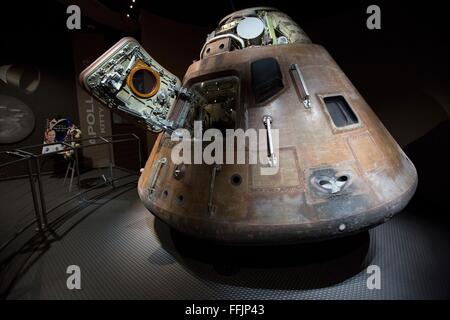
37,211
41,192
77,167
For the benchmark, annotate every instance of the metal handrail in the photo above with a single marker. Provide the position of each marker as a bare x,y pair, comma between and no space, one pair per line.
12,153
40,209
104,139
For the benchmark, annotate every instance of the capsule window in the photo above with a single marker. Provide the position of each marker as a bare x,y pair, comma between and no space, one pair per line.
267,79
143,80
340,111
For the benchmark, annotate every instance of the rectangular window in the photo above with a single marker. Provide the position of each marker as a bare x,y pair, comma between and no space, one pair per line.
340,111
267,79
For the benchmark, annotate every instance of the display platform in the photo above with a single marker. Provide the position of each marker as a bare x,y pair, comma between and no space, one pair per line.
125,253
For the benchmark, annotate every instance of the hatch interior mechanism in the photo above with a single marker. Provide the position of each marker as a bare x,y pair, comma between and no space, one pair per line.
127,79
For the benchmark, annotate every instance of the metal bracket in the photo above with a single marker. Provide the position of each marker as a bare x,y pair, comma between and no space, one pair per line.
267,120
306,99
179,171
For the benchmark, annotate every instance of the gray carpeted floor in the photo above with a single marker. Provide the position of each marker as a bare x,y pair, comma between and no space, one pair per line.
124,253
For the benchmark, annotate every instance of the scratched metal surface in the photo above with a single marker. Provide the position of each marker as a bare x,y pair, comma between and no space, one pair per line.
124,254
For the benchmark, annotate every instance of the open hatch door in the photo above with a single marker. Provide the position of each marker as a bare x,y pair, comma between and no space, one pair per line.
127,79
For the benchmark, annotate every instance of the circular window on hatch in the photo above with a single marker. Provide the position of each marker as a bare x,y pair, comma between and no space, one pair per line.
143,80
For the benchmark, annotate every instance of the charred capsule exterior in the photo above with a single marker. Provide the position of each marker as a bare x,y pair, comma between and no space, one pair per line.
339,169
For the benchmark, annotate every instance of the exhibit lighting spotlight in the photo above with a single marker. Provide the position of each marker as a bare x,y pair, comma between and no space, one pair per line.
26,78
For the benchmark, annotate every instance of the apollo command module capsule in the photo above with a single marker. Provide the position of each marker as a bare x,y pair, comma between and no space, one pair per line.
338,170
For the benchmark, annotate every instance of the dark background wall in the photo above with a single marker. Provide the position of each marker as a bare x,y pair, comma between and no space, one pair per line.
36,35
174,44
